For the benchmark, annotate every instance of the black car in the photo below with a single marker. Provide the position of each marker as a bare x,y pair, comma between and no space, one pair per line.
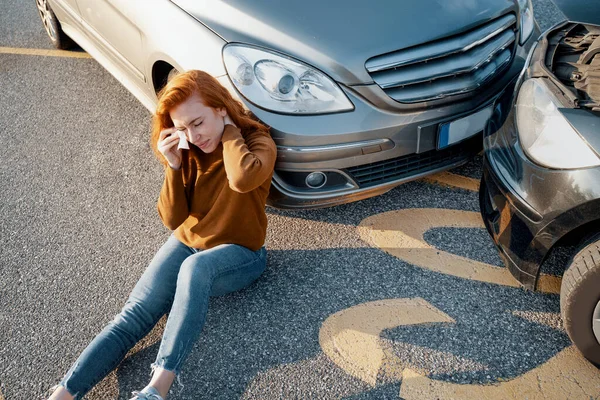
541,180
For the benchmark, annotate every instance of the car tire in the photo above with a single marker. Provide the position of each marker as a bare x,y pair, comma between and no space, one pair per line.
580,300
59,39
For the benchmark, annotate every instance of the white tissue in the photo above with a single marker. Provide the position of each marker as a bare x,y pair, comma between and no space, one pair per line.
183,143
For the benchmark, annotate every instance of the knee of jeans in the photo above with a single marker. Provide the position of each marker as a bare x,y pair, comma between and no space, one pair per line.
194,271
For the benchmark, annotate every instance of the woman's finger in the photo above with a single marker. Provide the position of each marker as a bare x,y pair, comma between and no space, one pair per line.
166,132
168,143
169,140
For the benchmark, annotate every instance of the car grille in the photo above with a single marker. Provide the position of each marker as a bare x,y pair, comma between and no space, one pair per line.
413,164
451,66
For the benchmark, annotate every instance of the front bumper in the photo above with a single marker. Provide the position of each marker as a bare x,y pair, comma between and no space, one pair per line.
371,179
528,208
372,148
512,231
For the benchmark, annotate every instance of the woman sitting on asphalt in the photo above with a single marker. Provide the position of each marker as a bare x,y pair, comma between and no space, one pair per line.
213,198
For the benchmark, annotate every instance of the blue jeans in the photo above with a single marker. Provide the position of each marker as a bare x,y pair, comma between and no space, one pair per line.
179,279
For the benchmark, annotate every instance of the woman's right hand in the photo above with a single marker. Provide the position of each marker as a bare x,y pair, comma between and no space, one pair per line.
167,146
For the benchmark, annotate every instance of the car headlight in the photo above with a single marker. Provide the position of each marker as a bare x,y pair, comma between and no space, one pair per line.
526,10
281,84
545,134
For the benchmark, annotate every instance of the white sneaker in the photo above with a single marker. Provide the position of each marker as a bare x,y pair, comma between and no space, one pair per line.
147,393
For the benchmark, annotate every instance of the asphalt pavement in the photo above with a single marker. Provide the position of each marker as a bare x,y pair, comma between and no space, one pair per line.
79,224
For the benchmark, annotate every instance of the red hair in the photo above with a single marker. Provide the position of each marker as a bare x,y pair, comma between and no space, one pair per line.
213,95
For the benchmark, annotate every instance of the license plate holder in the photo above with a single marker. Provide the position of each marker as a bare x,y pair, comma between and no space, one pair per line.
460,129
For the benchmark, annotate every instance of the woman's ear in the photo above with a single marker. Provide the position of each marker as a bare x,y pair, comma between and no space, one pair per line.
222,111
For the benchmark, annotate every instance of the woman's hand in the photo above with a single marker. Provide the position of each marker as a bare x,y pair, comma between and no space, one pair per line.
167,146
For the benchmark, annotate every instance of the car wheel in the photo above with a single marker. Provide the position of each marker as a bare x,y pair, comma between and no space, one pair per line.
580,300
59,39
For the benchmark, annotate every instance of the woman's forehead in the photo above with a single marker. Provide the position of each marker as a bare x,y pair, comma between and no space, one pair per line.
192,108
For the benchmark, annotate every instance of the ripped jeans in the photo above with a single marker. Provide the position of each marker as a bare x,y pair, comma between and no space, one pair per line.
178,280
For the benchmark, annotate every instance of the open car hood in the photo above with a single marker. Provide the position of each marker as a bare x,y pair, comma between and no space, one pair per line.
586,11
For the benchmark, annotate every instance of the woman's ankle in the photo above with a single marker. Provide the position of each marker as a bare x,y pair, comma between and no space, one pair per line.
60,393
162,381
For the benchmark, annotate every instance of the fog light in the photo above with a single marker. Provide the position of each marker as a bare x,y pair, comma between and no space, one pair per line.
316,180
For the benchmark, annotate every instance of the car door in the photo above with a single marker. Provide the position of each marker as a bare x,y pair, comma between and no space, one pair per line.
70,6
111,25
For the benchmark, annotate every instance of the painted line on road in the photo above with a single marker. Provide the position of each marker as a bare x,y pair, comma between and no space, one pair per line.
458,181
43,52
400,233
351,339
567,375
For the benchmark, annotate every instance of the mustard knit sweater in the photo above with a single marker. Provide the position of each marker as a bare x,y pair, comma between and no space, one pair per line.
220,197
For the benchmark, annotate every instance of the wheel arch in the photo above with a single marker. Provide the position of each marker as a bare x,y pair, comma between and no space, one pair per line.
574,237
160,73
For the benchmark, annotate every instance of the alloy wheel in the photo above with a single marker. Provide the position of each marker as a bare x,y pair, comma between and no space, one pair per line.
47,19
596,322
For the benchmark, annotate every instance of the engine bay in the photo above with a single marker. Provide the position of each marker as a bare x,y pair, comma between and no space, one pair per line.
573,56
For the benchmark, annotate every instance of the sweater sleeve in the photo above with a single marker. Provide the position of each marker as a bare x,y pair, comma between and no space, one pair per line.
172,203
248,163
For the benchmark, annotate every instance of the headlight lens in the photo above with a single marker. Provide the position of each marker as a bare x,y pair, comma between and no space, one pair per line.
545,135
278,83
526,9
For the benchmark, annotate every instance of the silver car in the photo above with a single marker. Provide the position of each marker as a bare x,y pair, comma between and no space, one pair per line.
360,96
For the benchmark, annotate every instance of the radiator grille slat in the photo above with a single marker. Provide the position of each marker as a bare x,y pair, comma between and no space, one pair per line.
447,67
450,86
444,67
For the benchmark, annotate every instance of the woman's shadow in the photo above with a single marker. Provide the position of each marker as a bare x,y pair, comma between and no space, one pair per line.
262,342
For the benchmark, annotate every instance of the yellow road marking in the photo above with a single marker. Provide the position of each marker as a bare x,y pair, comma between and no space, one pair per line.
567,375
454,180
551,319
400,233
350,337
43,52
